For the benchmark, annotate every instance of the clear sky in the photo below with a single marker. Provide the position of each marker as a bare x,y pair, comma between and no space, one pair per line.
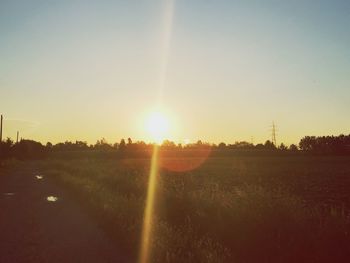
220,70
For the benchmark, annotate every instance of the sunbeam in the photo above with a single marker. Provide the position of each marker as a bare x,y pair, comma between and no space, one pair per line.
149,210
147,230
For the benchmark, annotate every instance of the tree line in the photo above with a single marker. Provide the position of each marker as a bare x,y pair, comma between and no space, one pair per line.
310,144
326,144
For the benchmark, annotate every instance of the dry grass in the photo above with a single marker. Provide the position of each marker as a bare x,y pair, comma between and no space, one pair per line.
248,209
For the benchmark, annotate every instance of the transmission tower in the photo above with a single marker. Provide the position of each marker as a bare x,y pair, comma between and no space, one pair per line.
273,135
1,120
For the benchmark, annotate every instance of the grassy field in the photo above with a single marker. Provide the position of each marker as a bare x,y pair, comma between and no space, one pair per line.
235,209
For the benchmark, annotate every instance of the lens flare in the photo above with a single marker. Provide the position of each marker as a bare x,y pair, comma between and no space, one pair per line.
186,161
146,238
149,210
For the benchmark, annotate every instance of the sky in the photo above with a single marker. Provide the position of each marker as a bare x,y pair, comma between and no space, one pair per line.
218,70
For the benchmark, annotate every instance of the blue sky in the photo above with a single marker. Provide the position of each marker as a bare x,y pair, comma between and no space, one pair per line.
91,69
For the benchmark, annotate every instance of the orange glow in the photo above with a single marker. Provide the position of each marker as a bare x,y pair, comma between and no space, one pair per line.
186,163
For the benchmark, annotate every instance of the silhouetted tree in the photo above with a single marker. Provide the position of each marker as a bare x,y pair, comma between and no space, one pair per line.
80,145
49,145
103,145
222,146
241,145
29,149
122,145
293,148
5,148
283,147
129,141
269,145
168,145
326,144
259,146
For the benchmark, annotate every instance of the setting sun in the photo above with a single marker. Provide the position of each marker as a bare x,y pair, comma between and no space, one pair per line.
175,131
157,125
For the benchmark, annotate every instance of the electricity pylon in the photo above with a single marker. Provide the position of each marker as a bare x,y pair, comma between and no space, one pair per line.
273,135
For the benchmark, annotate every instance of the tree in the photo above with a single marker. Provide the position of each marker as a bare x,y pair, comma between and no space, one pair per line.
307,143
29,149
222,145
122,145
102,145
5,148
80,145
293,148
259,146
129,141
283,147
326,144
168,145
269,145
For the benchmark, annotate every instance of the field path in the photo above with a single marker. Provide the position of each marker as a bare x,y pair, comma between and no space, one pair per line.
32,229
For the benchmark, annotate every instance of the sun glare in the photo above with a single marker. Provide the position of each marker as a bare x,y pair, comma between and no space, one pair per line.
157,126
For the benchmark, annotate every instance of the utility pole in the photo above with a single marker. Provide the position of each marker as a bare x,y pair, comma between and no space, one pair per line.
17,136
1,128
273,135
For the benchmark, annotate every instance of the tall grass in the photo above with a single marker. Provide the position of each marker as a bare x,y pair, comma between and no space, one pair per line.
228,210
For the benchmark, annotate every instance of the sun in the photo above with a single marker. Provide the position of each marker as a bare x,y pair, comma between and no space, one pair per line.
157,125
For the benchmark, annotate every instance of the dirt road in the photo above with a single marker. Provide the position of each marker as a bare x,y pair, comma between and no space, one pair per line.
33,229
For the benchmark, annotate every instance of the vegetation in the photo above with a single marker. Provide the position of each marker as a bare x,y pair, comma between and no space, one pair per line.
231,209
309,144
215,203
326,144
